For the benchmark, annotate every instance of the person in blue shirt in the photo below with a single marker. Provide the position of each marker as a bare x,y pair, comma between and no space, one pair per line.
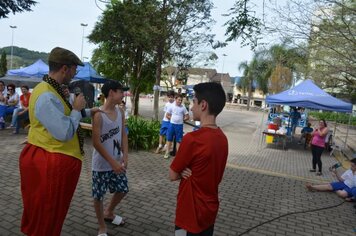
306,130
295,117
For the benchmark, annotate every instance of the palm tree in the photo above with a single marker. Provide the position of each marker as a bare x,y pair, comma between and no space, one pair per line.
284,62
250,71
256,72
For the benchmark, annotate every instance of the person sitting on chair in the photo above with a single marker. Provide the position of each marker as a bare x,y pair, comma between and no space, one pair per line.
306,130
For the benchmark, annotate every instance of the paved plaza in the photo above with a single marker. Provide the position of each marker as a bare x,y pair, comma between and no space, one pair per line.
260,183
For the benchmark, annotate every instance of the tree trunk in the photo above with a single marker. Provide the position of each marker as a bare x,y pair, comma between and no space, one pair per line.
160,50
158,80
137,77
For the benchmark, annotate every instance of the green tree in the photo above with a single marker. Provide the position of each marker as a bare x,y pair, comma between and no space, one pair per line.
272,70
7,6
243,24
125,48
183,28
328,27
247,78
286,64
24,57
255,75
133,34
3,64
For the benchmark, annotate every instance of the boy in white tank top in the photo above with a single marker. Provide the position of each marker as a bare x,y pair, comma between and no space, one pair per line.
110,156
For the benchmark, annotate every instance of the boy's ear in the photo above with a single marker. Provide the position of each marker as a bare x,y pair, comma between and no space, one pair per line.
204,105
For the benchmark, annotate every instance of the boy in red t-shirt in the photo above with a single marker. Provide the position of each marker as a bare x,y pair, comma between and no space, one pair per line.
199,165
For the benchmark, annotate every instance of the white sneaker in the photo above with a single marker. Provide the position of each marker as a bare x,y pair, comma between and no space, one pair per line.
166,155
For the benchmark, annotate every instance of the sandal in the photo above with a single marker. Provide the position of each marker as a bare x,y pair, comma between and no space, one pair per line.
118,220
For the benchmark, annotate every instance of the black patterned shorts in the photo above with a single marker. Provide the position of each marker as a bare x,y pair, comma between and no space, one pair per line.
102,180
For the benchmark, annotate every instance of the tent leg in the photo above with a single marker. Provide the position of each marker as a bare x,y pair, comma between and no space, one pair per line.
261,127
334,133
347,132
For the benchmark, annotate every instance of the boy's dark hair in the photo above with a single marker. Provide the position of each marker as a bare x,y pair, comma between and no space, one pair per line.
11,86
25,87
170,93
112,85
213,93
2,82
353,160
178,95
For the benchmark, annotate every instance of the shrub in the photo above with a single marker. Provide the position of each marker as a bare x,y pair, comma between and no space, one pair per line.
143,134
333,116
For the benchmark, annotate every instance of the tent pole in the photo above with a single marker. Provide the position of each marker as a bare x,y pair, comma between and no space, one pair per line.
347,131
337,113
261,127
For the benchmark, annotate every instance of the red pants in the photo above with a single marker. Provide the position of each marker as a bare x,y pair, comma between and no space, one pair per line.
48,182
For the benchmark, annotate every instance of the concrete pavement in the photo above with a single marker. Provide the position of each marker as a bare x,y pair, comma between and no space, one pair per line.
260,183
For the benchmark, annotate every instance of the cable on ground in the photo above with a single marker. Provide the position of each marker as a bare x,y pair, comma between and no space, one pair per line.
290,213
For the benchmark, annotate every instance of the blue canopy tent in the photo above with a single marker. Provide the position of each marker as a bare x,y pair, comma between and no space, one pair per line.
30,75
88,73
308,95
37,69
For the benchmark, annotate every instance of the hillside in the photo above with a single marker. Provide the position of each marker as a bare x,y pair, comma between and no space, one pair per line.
22,57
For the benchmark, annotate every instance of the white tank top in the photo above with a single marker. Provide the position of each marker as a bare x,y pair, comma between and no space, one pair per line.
110,138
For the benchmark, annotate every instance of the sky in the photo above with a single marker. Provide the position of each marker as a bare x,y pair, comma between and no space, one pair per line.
54,23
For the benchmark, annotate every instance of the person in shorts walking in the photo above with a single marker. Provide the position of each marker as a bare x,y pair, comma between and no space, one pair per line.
165,121
177,114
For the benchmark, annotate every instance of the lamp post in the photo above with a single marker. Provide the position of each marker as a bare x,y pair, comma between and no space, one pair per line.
13,27
81,53
222,71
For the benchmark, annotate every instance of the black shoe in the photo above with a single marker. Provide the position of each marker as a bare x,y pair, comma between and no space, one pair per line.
312,170
319,173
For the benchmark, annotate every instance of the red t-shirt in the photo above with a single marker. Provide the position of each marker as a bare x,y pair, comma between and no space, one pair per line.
24,99
205,152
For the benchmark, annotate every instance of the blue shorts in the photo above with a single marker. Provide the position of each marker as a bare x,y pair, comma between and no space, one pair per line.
175,130
102,180
341,186
164,128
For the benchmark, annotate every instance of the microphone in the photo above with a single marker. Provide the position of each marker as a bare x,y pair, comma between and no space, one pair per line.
77,91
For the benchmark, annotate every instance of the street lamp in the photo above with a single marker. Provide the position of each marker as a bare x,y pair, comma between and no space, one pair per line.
81,53
222,71
13,27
